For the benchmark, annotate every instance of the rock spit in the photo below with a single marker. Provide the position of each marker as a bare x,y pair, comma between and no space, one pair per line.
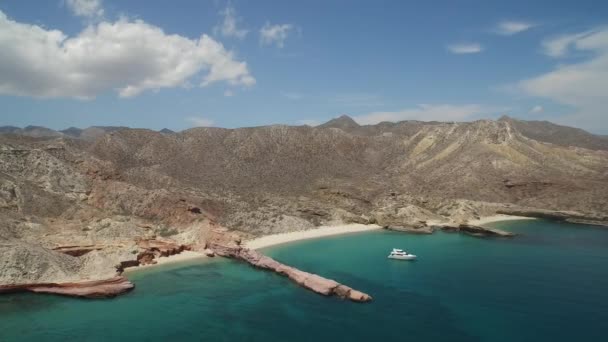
313,282
89,289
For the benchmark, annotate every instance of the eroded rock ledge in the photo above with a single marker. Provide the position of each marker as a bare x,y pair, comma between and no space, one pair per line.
475,230
566,216
313,282
465,228
107,288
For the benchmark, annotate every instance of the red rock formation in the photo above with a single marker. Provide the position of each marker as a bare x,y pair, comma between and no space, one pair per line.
107,288
154,248
225,246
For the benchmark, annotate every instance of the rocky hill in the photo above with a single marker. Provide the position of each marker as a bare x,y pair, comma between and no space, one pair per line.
86,202
90,133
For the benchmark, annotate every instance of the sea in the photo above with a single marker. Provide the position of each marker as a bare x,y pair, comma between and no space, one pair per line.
549,283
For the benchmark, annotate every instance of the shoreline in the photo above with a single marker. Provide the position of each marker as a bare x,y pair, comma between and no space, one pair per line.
319,232
172,259
497,218
315,233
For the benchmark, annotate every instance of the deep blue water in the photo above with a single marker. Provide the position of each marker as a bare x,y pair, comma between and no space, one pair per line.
548,284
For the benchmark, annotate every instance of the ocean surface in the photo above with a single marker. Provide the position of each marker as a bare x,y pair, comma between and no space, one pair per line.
548,284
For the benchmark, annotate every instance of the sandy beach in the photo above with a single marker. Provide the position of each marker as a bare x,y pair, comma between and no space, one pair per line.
323,231
495,218
181,257
276,239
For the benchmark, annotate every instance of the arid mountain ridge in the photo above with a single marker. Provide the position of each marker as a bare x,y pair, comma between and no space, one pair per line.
76,204
544,131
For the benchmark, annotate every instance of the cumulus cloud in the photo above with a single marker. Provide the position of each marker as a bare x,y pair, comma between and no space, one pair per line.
465,48
85,8
580,85
197,121
428,112
509,28
127,56
229,25
275,34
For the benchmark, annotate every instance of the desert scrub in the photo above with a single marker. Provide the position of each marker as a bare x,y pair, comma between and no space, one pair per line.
166,231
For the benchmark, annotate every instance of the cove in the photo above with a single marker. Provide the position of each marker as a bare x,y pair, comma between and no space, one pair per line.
547,284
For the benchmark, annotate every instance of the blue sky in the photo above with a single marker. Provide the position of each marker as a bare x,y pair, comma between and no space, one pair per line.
179,64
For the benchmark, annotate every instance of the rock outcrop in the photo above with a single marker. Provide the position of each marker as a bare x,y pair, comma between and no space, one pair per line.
153,249
107,288
227,247
475,230
566,216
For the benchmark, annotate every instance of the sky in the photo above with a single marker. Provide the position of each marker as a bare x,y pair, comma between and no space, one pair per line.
186,63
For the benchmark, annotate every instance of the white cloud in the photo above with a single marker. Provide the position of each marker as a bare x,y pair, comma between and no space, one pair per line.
581,85
536,109
465,48
274,34
228,93
85,8
228,27
560,46
127,56
428,112
199,121
509,28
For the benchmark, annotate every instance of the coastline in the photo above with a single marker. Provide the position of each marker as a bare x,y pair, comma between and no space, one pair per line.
323,231
172,259
500,217
319,232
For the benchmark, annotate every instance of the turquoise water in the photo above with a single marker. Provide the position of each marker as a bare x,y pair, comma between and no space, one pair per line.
549,284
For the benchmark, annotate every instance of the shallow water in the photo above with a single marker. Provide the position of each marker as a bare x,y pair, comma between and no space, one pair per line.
549,284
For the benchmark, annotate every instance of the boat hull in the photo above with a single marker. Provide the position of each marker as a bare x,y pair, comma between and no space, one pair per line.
402,257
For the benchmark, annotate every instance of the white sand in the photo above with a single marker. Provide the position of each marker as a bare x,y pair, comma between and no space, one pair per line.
265,241
496,218
181,257
276,239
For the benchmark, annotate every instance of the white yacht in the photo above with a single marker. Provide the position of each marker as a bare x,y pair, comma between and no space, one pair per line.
400,254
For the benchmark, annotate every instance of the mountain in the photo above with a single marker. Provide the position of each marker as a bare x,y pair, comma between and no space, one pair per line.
30,131
99,198
343,122
559,135
90,133
9,129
